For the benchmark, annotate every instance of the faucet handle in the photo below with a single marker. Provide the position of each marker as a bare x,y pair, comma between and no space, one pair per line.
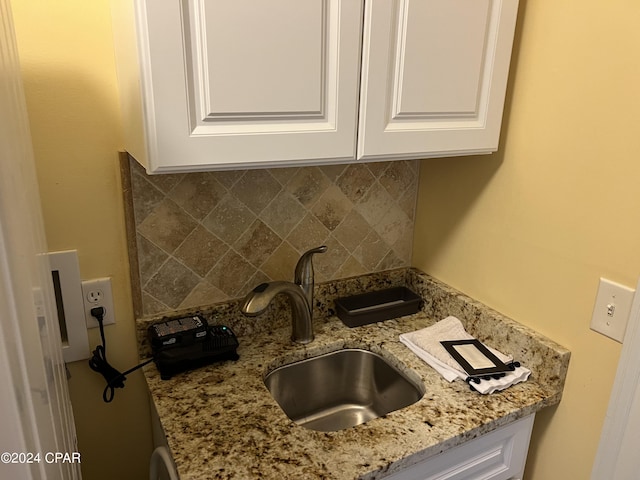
304,267
304,274
320,249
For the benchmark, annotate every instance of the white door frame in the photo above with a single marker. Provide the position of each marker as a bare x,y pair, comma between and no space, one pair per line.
35,410
617,457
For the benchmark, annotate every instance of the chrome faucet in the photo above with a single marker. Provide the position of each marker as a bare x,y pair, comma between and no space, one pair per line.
299,292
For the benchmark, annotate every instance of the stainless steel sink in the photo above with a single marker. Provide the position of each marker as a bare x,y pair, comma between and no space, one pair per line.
341,389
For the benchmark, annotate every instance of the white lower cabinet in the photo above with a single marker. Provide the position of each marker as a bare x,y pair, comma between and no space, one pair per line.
499,455
161,465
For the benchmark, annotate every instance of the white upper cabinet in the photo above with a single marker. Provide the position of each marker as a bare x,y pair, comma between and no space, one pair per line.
216,84
434,77
228,83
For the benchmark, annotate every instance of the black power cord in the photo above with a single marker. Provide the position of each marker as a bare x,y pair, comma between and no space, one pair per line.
98,362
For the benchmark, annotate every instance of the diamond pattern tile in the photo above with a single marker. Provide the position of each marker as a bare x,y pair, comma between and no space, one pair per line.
307,185
230,274
331,207
258,243
150,258
281,263
147,196
309,233
201,250
198,194
209,237
229,219
167,226
256,188
397,178
356,181
172,284
283,214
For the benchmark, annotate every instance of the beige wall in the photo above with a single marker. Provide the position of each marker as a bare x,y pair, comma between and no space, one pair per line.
530,230
66,50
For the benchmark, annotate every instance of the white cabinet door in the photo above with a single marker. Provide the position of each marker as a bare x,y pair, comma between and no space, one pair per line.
498,455
217,84
434,76
246,82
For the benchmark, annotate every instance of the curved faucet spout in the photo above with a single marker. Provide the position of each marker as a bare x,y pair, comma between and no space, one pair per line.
300,294
261,296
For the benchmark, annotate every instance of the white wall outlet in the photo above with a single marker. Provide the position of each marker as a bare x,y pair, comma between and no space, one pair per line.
612,309
97,293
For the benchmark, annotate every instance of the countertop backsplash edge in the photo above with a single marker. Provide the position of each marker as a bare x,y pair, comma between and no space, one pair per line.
547,359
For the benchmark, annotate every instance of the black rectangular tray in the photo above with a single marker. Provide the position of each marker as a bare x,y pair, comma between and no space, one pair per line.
372,307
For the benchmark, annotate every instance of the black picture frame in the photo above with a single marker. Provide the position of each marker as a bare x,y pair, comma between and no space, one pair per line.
497,365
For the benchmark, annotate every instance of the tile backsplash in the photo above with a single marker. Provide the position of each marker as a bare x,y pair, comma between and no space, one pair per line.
203,238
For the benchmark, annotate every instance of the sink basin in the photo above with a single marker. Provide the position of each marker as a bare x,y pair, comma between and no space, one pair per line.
341,389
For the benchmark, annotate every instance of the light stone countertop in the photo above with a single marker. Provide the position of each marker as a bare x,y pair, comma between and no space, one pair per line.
221,422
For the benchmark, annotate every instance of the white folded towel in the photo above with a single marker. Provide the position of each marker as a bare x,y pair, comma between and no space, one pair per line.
425,343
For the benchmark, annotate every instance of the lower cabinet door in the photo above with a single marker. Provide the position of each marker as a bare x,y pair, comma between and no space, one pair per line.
499,455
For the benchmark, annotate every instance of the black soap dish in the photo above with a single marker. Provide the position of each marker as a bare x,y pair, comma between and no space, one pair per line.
372,307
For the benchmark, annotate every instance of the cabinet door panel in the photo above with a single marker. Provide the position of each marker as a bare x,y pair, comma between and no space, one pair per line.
248,82
438,63
440,90
250,70
498,455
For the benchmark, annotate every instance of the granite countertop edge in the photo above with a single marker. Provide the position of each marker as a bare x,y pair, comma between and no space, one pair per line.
221,422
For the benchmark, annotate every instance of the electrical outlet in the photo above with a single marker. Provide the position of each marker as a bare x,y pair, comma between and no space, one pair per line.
97,293
612,309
